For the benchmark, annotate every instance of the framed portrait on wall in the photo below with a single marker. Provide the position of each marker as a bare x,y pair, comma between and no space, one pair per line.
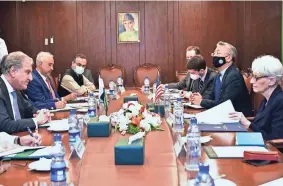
128,27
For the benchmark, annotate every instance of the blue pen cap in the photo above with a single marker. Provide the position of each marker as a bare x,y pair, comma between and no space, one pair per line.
57,137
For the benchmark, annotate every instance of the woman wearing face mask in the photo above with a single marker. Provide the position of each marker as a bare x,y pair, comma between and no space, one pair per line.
203,77
74,80
267,73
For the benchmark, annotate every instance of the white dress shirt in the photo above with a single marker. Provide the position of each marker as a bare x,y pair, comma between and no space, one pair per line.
3,49
10,90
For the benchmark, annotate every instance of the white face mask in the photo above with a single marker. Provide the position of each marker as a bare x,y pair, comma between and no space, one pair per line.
194,76
79,70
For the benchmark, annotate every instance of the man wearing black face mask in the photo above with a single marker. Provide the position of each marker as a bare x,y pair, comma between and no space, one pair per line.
228,84
186,83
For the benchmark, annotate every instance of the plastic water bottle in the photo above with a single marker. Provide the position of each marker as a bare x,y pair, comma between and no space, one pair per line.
112,86
119,84
74,131
146,85
73,116
193,147
179,116
58,165
92,106
203,178
82,129
166,97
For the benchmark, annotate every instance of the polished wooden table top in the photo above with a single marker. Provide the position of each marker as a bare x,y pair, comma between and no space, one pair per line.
98,167
161,168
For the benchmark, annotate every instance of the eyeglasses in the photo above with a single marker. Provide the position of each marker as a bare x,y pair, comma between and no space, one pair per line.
7,163
219,54
257,77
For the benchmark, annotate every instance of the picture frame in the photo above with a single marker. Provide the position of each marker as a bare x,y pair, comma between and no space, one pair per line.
128,27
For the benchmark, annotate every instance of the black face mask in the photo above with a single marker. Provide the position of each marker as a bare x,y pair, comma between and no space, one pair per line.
218,61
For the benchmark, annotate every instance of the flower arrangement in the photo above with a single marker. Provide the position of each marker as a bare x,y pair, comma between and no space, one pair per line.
133,118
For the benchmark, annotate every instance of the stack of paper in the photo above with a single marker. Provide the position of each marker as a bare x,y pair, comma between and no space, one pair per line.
235,151
18,149
218,114
64,109
278,182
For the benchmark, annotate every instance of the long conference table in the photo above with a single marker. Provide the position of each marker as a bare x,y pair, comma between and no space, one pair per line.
161,166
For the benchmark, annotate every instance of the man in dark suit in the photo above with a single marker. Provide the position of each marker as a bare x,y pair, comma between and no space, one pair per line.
186,83
203,77
40,90
228,84
16,112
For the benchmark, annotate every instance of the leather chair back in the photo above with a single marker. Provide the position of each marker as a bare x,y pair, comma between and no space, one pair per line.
180,75
145,70
111,72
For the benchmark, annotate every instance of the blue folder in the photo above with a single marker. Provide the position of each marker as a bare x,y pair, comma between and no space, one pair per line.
225,127
249,139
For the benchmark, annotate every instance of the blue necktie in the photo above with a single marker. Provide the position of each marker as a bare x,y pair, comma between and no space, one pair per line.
15,105
217,87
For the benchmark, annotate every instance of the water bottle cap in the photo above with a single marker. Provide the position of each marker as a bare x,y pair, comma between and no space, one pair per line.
166,85
73,111
194,120
91,95
57,137
204,167
179,99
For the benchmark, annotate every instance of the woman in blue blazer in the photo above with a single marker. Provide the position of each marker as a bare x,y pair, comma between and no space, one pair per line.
267,73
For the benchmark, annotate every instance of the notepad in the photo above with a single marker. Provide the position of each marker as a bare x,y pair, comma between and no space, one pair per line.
215,152
249,139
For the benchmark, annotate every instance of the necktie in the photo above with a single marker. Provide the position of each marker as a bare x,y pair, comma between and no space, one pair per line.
200,85
50,88
16,106
217,87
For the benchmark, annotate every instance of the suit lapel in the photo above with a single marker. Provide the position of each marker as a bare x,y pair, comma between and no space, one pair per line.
7,98
206,80
41,80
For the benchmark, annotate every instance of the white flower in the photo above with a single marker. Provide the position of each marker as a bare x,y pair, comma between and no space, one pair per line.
129,115
123,123
125,106
155,121
145,125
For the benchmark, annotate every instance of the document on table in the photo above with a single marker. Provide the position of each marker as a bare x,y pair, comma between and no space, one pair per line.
187,116
192,106
55,122
278,182
217,115
19,149
63,109
235,151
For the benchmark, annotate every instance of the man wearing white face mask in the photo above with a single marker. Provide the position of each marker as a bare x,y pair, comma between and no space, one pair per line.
74,80
203,77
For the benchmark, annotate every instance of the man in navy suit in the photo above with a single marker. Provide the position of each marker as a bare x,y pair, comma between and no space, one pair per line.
228,84
40,90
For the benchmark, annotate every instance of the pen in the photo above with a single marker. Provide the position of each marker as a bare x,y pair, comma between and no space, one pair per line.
31,134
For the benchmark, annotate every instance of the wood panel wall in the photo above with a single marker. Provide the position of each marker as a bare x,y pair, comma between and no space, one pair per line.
167,29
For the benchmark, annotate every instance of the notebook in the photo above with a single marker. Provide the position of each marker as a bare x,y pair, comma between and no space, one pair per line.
249,139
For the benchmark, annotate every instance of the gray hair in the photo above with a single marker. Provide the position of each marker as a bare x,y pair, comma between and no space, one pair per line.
232,50
14,59
268,65
41,55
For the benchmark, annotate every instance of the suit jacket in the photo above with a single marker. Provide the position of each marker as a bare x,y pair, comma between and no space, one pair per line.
87,73
233,88
186,83
207,84
269,118
7,122
39,93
